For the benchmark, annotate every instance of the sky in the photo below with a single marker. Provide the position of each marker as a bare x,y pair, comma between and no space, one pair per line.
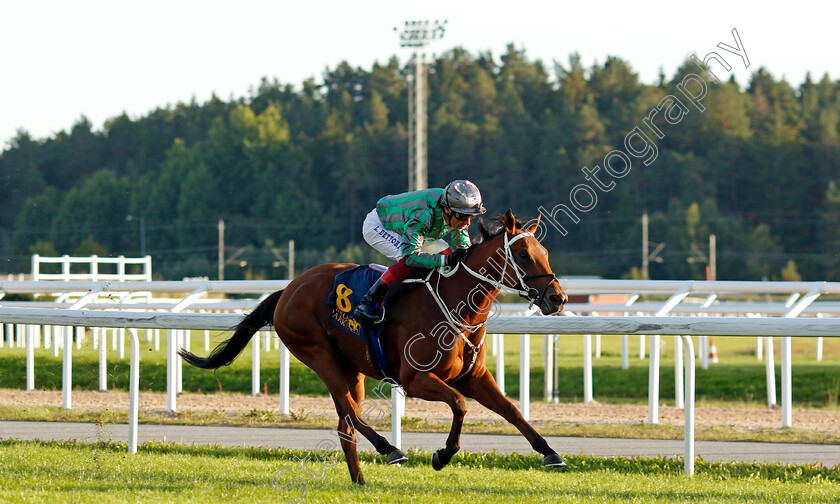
61,60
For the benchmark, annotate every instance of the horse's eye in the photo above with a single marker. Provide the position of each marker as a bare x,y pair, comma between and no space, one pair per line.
523,254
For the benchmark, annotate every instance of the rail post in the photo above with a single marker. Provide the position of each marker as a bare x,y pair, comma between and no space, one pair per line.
690,376
133,391
525,376
284,379
67,368
587,369
500,364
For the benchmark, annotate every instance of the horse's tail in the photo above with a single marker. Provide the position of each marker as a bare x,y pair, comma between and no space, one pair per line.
230,349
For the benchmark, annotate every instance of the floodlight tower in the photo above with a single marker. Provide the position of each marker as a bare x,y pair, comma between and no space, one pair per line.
417,35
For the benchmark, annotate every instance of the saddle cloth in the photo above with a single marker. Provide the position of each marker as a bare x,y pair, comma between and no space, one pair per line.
348,289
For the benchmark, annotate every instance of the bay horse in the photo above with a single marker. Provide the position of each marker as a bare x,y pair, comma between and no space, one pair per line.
437,353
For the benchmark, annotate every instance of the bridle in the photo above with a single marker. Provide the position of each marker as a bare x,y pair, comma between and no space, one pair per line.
523,289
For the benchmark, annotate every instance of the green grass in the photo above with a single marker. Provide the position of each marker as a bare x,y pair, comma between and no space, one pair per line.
51,472
738,378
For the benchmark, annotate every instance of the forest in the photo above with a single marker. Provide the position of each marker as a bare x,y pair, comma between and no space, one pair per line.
758,167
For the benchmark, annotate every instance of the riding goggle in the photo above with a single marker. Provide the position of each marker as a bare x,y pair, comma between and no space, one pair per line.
461,216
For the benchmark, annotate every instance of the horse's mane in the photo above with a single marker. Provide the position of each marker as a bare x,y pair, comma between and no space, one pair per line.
494,227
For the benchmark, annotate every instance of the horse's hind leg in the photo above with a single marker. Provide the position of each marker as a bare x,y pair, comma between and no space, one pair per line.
346,432
483,389
347,438
327,367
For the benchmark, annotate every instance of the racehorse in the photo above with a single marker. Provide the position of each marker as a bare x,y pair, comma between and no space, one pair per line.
437,353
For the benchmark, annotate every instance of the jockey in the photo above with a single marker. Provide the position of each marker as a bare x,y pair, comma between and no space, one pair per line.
409,227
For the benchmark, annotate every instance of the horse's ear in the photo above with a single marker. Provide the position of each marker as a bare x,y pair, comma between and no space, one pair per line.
483,230
510,222
532,225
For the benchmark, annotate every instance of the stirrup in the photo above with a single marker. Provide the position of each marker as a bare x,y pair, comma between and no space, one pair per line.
377,317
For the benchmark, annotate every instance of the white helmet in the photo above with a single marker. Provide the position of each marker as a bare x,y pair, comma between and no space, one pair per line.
462,196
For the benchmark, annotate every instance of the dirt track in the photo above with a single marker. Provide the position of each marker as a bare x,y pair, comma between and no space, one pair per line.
155,403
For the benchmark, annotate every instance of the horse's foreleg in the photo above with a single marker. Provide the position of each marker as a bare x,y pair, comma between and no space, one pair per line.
430,387
483,388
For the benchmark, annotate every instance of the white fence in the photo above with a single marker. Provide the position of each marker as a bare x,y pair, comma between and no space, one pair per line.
801,298
136,295
682,326
93,264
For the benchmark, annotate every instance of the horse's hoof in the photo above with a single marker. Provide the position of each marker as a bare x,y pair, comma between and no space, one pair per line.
396,456
436,462
441,458
553,460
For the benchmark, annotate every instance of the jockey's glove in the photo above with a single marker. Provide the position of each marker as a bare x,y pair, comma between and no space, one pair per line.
458,256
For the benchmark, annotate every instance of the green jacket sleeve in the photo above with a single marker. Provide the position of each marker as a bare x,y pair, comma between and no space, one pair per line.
412,243
461,239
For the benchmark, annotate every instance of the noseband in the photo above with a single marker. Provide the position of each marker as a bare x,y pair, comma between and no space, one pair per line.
541,294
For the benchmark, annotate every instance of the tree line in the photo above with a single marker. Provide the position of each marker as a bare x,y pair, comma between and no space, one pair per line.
758,168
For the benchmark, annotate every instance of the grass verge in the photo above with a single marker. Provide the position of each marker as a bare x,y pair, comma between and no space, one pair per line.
49,472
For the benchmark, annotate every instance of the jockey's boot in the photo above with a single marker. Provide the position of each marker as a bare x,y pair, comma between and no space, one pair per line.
368,305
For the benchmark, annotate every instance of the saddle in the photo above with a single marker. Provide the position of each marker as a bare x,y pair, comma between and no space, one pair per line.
349,288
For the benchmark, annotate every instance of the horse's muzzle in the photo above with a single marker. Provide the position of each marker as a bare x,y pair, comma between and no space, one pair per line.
553,303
